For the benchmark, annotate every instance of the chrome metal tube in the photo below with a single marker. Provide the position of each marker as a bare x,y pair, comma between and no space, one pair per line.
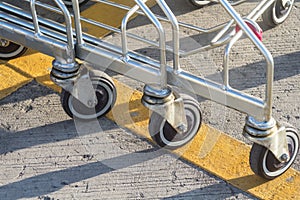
162,42
34,18
259,9
125,21
222,32
69,31
263,50
226,58
262,9
77,22
175,32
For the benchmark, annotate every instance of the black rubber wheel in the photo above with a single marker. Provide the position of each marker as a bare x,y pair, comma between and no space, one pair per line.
10,50
166,136
69,2
106,95
277,13
200,3
264,164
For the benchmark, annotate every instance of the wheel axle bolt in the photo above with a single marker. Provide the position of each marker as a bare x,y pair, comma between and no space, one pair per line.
288,4
92,103
182,128
4,43
284,157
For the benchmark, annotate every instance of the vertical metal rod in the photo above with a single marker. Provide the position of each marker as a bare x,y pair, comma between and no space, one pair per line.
35,18
260,8
263,50
226,58
69,30
77,22
222,32
162,42
124,23
257,11
175,25
263,8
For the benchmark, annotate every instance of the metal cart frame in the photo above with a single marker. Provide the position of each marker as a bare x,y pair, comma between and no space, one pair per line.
66,45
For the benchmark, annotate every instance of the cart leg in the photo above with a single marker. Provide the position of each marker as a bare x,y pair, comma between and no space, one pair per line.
75,79
168,104
176,118
275,148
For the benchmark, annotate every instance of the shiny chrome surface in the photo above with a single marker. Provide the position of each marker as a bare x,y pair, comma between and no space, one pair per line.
61,40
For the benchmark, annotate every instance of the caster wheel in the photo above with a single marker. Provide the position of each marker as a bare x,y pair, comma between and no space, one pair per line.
166,136
264,164
69,2
278,12
106,95
10,50
200,3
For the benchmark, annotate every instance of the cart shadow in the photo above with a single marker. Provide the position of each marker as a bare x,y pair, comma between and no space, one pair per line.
46,183
13,141
32,87
248,182
284,66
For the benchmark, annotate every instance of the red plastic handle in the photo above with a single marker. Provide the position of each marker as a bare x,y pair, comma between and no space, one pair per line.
254,27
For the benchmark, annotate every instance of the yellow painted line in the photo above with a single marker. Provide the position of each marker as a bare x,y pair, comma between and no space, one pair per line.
211,150
20,71
108,14
11,79
36,66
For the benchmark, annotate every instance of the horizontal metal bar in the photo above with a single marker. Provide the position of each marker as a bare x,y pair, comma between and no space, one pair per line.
150,75
44,44
235,3
216,92
27,25
57,31
133,69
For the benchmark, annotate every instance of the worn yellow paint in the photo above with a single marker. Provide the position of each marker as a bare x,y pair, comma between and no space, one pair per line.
11,79
211,150
106,14
18,72
36,66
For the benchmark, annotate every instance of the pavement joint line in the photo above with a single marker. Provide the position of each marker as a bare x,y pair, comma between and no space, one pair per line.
210,150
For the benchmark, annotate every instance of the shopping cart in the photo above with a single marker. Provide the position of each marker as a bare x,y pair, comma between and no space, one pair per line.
87,92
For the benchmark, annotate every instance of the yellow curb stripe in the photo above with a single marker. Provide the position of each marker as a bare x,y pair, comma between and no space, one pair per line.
211,150
106,14
11,80
20,71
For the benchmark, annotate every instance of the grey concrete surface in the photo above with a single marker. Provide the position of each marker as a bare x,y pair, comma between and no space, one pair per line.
43,155
46,155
